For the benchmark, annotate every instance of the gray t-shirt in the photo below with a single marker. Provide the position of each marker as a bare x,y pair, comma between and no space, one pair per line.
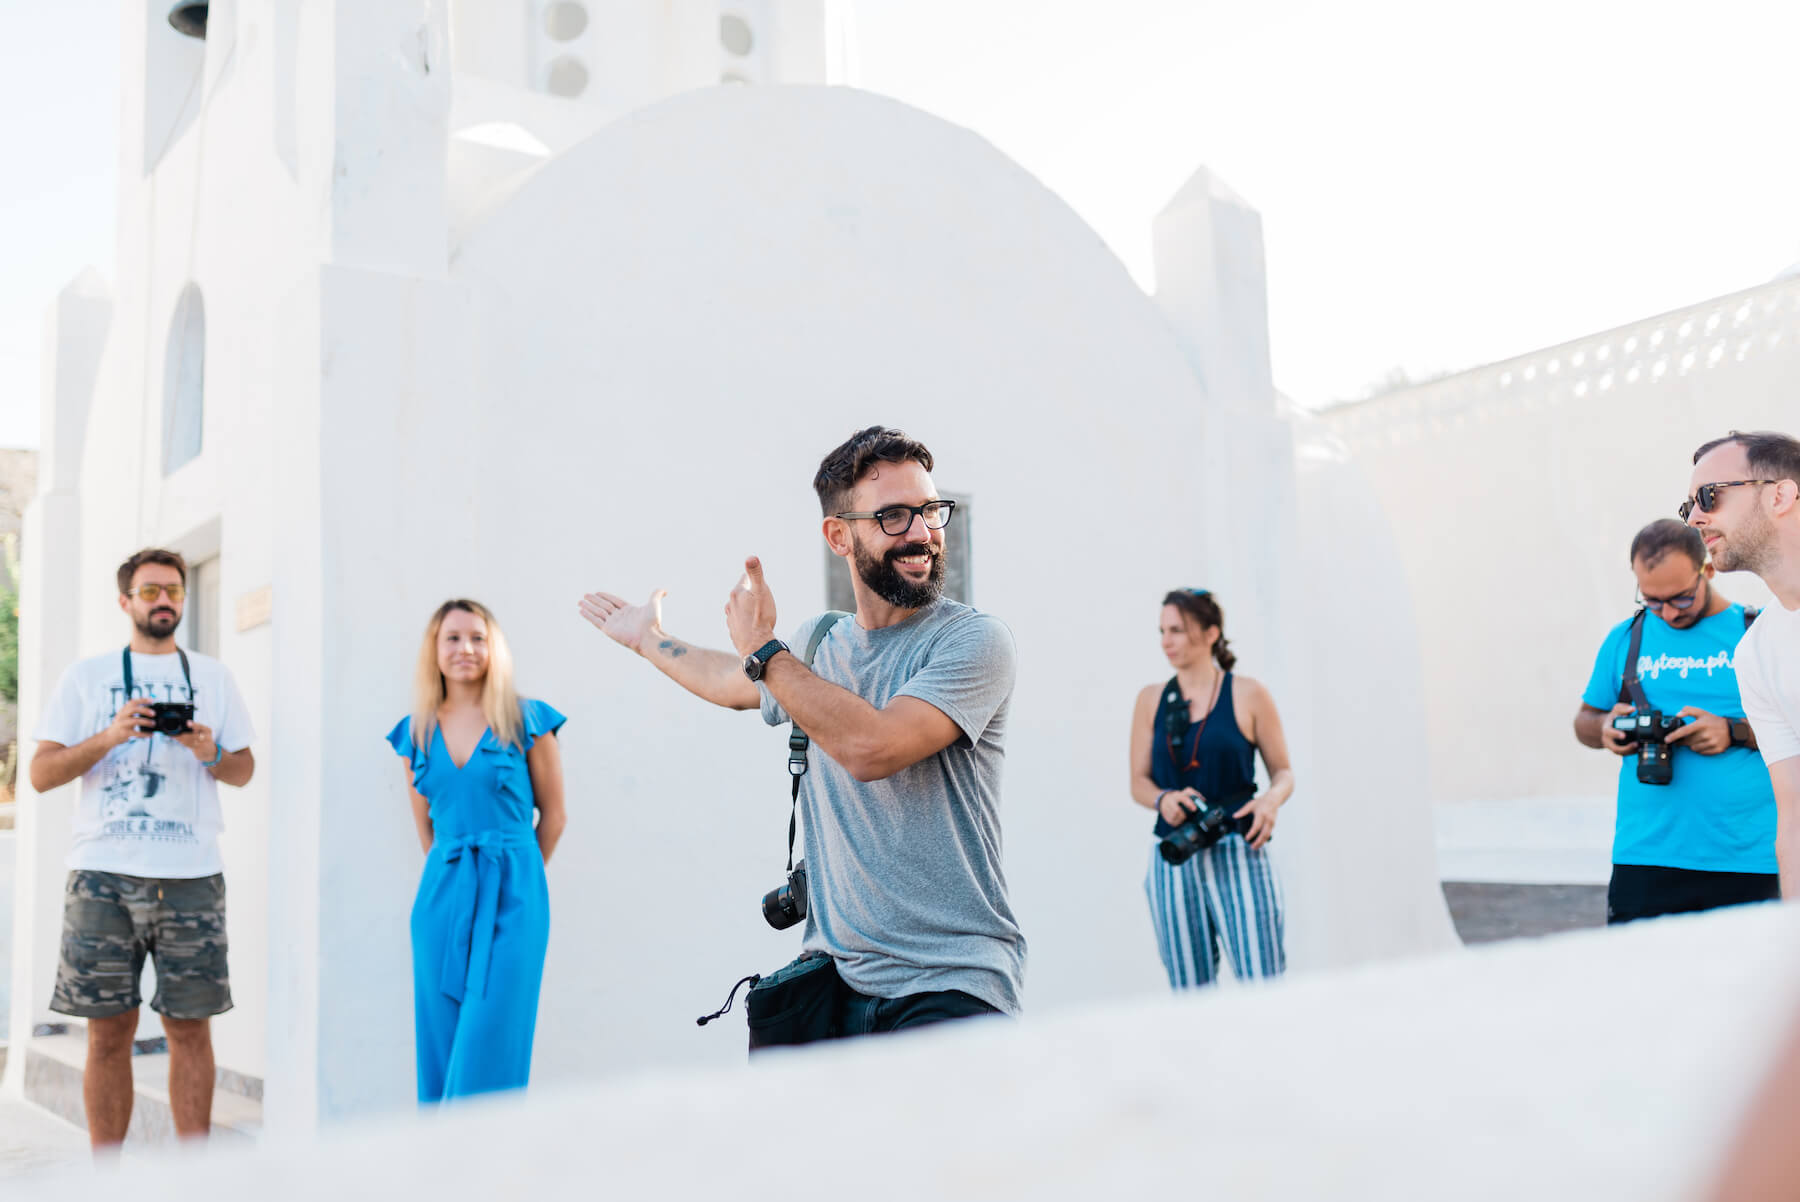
904,884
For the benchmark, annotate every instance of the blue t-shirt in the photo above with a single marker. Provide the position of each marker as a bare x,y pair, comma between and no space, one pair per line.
1718,814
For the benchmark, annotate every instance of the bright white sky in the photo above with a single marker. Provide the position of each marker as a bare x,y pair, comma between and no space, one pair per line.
1441,184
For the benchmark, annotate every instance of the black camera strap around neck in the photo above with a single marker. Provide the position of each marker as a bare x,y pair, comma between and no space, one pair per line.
125,658
1630,691
798,740
1176,732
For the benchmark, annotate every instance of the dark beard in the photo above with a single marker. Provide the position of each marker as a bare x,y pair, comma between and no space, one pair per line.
885,580
160,624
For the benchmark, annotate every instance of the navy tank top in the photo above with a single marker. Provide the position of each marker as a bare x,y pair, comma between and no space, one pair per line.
1222,768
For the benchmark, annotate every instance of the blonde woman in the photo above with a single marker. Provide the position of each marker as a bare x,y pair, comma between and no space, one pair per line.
479,761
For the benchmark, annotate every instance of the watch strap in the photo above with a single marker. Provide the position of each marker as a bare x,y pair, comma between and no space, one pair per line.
761,657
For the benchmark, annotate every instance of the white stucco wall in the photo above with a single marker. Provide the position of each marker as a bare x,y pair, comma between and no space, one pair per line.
1514,491
620,370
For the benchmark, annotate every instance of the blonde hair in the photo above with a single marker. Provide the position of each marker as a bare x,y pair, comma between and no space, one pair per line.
499,701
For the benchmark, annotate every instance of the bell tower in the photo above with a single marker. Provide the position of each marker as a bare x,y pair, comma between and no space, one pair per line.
622,54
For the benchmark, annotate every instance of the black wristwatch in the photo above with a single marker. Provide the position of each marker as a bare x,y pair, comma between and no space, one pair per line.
758,660
1740,732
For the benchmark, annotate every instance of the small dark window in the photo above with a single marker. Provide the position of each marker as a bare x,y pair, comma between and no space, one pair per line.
184,381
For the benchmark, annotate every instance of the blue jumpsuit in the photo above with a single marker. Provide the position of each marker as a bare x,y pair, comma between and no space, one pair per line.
482,918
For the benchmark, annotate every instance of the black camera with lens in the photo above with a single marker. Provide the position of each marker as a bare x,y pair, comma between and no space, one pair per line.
1650,729
1204,827
784,907
171,717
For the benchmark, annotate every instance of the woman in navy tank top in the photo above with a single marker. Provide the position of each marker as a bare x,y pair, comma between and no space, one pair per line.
1194,742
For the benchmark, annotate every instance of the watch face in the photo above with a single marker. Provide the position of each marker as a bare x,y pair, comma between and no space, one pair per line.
753,667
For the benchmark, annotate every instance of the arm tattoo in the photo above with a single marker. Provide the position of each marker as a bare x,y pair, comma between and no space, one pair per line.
671,648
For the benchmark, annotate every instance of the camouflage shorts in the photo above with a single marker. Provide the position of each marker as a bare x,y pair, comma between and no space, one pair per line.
111,922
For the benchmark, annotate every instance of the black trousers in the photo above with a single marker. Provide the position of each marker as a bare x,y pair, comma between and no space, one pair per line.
1643,891
860,1014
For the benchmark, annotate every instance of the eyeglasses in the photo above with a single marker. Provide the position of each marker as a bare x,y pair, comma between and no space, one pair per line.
1707,496
898,519
1197,592
1681,601
148,592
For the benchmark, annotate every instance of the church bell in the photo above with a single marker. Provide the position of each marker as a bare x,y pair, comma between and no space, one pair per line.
189,17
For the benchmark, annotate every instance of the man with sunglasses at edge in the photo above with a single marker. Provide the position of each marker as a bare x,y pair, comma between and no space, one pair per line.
145,876
1707,837
906,704
1744,501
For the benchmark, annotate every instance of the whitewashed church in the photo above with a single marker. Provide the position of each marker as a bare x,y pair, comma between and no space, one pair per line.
516,299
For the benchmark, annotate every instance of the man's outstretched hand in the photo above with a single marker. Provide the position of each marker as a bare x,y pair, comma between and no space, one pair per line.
750,610
627,625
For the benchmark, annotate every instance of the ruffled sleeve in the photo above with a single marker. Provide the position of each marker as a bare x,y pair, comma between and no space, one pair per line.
538,718
401,740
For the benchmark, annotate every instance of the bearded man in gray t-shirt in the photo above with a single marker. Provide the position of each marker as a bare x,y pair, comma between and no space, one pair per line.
906,706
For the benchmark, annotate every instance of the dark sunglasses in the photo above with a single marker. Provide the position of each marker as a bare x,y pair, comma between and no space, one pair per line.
1707,496
1681,601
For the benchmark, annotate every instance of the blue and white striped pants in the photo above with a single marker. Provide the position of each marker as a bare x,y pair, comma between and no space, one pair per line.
1226,894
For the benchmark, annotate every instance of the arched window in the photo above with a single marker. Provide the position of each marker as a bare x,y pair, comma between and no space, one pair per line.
184,381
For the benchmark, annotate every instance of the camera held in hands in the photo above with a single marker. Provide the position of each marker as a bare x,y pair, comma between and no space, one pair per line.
1650,729
171,717
786,906
1204,827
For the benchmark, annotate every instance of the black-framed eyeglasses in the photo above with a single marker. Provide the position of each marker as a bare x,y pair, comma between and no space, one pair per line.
898,519
1707,496
1681,601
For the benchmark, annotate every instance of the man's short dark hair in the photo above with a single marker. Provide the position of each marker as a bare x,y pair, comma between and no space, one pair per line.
1772,456
1663,536
840,470
129,568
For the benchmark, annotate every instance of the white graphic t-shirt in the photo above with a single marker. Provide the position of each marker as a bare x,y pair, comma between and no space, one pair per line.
1769,678
149,808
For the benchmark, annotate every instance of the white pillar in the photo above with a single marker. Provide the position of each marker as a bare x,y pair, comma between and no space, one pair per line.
372,121
75,333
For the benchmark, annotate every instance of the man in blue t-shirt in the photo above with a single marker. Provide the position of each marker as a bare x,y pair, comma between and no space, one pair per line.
1707,837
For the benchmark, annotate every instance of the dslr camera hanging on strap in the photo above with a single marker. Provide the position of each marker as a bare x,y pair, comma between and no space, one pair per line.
1648,726
797,1003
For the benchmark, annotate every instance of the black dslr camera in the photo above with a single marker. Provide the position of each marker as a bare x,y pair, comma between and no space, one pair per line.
784,907
1651,729
1205,827
171,717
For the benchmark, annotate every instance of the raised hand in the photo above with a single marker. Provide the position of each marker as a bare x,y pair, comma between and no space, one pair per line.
750,610
631,626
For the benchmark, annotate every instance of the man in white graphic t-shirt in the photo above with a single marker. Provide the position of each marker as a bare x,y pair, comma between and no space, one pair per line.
151,730
1744,499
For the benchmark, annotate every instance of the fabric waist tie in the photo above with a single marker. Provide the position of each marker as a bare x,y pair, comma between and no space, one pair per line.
474,863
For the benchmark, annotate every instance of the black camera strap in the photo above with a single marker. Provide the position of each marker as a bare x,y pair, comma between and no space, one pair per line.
1177,720
798,740
125,659
1630,691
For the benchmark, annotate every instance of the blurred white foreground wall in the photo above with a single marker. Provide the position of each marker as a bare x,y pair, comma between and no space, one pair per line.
1606,1064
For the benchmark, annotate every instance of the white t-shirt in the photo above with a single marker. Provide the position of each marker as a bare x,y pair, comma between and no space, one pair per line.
149,808
1768,672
